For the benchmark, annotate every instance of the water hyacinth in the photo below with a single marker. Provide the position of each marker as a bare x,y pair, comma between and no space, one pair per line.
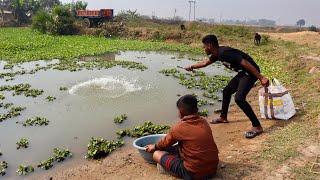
59,155
23,44
99,147
22,143
145,129
22,89
120,119
24,170
204,113
47,164
3,167
2,97
199,80
63,88
14,112
50,98
36,121
202,102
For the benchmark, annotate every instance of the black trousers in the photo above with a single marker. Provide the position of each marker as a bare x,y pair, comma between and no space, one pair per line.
241,84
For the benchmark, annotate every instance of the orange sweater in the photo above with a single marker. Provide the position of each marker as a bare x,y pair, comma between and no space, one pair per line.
196,145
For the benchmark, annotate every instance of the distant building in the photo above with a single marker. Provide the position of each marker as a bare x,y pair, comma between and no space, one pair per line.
6,16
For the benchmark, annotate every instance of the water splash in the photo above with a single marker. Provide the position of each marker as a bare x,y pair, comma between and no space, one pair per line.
110,87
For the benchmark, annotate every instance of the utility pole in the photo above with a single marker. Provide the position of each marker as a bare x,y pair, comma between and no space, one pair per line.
194,9
175,12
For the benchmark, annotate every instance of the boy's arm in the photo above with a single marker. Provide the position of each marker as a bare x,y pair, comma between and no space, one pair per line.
199,65
165,142
249,67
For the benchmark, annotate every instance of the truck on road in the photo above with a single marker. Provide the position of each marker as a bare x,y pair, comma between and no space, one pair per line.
93,18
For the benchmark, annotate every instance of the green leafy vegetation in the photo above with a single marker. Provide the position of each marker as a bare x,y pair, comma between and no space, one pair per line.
14,112
202,102
143,130
3,168
63,88
50,98
24,170
59,21
120,119
37,121
199,80
59,155
22,143
22,44
22,89
47,164
99,147
2,97
204,113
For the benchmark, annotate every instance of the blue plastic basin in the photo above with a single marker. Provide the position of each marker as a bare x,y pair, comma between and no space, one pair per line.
140,144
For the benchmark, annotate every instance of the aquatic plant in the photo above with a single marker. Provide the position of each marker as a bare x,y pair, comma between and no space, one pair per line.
22,143
47,164
204,112
199,80
22,89
146,128
36,121
120,119
59,155
2,97
50,98
24,170
23,44
63,88
99,147
202,102
14,112
3,167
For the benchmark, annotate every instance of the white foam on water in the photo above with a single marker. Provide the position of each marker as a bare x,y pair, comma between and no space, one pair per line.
113,86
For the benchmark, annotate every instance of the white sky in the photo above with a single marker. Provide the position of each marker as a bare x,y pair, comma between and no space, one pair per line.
283,11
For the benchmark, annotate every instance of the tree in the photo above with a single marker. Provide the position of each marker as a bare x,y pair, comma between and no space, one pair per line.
301,22
81,5
313,28
48,4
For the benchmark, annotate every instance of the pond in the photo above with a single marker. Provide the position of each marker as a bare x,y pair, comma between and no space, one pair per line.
87,109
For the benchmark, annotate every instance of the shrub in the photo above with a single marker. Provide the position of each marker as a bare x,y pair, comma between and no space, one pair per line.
313,28
42,21
59,22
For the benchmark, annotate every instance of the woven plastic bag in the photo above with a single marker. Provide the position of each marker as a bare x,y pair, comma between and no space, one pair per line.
276,102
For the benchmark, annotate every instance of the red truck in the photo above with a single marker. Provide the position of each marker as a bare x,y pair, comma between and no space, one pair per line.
93,18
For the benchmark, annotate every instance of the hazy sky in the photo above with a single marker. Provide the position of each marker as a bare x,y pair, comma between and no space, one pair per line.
282,11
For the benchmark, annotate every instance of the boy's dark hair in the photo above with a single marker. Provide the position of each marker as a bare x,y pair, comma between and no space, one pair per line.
211,39
189,103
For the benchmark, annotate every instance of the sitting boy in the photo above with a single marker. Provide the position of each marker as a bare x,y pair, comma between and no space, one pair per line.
198,153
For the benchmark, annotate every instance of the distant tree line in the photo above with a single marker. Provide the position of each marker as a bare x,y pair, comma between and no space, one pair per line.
24,10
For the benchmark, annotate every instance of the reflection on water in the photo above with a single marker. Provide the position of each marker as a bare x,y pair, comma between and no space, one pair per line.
87,110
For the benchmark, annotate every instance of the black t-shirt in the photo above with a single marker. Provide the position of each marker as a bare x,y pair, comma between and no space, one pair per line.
231,58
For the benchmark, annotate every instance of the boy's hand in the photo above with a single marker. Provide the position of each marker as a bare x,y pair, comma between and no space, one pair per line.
151,148
264,81
189,68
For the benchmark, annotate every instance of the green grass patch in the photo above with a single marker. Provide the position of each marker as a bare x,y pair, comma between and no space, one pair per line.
283,144
23,44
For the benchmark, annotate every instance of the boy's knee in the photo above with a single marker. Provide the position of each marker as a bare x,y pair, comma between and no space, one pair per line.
239,99
226,91
157,155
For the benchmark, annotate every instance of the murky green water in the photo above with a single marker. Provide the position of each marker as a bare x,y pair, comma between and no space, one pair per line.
87,109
